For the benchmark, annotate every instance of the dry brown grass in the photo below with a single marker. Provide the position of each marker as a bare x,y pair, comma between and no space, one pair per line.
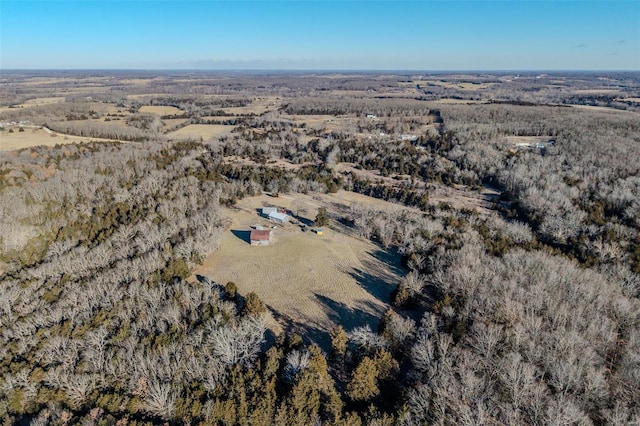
604,109
36,137
257,107
36,102
204,131
161,110
527,139
44,101
595,91
312,121
461,197
239,161
450,101
453,84
170,123
311,283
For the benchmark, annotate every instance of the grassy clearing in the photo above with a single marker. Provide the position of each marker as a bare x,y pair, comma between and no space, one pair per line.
37,137
458,101
161,110
36,102
171,123
311,283
313,121
204,131
604,109
257,107
44,101
462,85
527,139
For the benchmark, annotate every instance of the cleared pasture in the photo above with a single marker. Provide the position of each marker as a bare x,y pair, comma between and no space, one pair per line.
312,121
452,101
202,131
527,139
36,102
453,84
36,137
257,107
161,110
310,283
171,123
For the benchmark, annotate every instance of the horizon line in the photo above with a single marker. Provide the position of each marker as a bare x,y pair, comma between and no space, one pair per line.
327,70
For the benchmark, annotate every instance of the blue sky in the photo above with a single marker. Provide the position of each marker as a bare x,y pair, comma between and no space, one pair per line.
316,35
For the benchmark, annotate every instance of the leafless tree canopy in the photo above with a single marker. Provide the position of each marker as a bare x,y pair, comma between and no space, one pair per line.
518,222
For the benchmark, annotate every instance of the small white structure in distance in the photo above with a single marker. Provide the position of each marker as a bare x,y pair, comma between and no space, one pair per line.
407,137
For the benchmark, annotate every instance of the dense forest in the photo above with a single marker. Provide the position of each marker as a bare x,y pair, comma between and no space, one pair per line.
528,313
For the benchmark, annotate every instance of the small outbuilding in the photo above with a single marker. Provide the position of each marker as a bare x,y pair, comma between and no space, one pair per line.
261,237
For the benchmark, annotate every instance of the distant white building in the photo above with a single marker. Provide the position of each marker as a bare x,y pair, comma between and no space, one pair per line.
372,116
407,137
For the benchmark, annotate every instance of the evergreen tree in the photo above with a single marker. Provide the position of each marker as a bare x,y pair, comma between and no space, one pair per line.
322,218
364,381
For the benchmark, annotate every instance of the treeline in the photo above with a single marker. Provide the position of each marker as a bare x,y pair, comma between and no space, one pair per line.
55,111
580,196
96,129
96,315
529,317
353,105
518,336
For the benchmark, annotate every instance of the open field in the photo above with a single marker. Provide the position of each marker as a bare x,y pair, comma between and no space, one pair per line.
43,101
284,164
161,110
204,131
532,140
313,121
604,109
596,91
311,283
459,197
35,137
451,101
171,123
144,96
257,107
36,102
464,85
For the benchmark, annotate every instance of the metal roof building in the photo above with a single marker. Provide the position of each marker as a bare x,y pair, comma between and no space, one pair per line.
261,237
268,210
279,217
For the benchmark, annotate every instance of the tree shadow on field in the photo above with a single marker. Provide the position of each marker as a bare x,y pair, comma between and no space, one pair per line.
380,275
303,220
348,317
366,313
243,235
310,332
391,259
